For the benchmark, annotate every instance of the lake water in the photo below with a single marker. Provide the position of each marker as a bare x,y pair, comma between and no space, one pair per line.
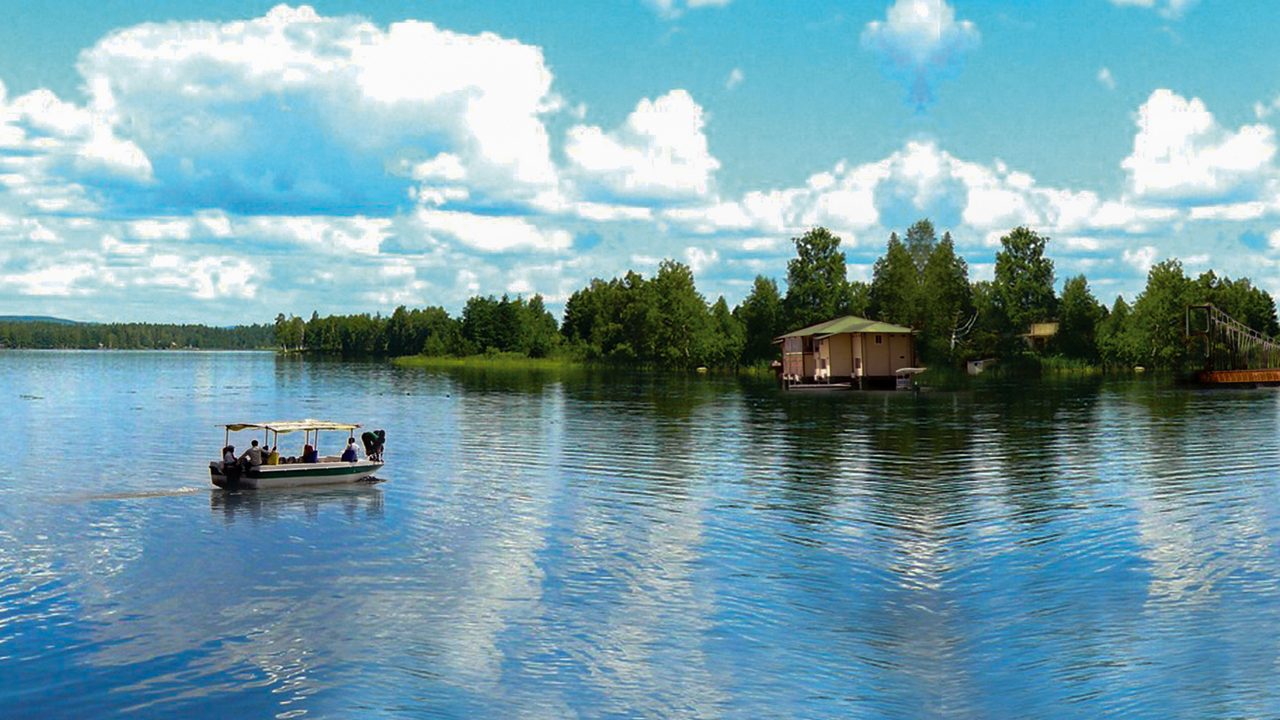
616,545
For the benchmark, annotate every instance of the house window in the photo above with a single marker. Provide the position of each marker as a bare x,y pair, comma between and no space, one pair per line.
879,339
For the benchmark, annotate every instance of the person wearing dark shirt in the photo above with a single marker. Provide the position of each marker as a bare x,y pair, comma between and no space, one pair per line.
373,444
309,455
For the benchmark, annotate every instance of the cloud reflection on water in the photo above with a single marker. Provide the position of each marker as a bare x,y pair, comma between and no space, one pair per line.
557,546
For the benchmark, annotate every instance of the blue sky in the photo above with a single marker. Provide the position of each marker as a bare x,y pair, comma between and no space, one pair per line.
172,161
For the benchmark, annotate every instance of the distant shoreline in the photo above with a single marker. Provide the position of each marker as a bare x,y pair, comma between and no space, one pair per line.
274,351
41,334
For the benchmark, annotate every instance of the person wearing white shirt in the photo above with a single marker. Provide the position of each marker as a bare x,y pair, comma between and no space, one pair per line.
252,457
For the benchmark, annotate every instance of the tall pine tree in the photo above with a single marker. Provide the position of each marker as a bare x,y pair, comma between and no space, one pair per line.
946,300
1024,280
761,317
817,281
894,284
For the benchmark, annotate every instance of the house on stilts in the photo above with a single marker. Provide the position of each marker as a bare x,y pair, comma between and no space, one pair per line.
849,351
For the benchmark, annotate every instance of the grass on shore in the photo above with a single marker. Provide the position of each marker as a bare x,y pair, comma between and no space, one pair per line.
559,363
939,377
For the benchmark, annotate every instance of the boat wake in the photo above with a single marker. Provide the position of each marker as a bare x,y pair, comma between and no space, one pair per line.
135,495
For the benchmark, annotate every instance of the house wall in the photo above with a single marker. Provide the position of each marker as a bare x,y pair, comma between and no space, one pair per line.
900,352
841,353
792,356
884,359
877,359
822,355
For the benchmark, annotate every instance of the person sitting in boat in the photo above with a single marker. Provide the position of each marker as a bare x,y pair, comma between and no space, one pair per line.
252,457
349,455
309,455
273,457
230,467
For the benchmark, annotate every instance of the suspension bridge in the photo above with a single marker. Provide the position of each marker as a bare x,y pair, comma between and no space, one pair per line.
1232,351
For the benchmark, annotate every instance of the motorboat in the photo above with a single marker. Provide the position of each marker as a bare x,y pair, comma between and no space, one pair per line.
905,378
309,467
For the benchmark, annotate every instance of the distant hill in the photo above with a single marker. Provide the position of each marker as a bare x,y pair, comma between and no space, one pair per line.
42,332
37,319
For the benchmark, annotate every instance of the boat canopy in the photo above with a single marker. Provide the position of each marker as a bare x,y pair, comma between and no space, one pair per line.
288,426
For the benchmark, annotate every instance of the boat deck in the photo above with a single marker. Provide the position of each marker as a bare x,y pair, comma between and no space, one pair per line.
821,386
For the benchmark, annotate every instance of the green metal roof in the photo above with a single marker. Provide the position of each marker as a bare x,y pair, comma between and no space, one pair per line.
848,324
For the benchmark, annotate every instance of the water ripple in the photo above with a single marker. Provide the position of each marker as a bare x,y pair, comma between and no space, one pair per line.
600,545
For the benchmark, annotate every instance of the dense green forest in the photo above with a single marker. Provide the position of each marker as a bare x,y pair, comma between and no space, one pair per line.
50,334
919,281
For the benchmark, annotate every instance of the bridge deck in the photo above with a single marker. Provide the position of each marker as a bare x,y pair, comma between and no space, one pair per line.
1229,377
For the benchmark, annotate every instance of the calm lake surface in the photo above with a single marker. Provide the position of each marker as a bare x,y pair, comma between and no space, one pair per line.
613,545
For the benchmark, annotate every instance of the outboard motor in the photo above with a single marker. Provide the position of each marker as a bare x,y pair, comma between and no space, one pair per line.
227,478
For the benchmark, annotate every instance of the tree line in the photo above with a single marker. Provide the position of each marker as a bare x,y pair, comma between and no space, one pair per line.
486,325
663,321
40,334
920,281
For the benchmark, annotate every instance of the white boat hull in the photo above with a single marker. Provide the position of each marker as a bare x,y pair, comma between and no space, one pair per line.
296,474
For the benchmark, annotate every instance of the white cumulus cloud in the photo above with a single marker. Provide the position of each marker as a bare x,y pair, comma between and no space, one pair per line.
919,180
1141,258
492,234
1182,153
920,41
49,148
294,110
212,278
659,153
58,279
700,259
